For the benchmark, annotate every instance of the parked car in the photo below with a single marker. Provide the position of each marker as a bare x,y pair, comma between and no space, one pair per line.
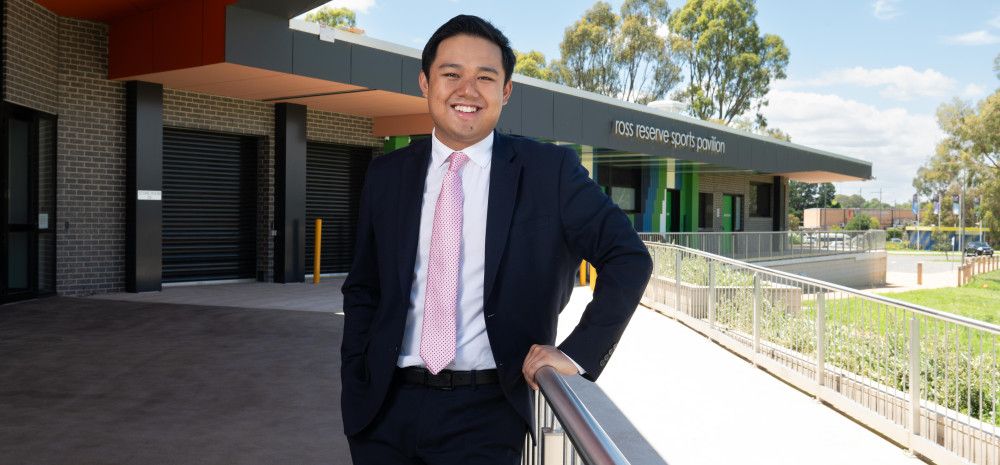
978,248
896,240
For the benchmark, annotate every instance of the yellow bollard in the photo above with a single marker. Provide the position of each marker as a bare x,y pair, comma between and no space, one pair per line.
593,277
583,272
318,244
920,273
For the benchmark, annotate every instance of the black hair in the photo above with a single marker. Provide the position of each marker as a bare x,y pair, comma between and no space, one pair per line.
473,26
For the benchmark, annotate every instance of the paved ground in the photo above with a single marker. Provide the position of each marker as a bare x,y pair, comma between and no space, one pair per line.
696,403
901,272
325,297
90,381
135,381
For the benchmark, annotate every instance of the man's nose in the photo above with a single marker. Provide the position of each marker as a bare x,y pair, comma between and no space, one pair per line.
468,87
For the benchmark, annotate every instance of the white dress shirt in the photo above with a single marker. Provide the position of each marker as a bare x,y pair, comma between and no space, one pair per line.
472,345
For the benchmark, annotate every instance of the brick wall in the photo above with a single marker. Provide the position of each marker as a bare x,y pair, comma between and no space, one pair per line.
31,49
59,66
736,184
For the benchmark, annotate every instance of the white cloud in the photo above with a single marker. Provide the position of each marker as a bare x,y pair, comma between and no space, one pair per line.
896,141
357,6
980,37
898,83
886,9
995,22
973,91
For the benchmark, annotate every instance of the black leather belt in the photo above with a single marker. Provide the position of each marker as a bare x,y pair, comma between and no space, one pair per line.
446,379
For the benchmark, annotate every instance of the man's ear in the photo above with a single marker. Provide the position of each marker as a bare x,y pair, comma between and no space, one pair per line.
507,88
422,79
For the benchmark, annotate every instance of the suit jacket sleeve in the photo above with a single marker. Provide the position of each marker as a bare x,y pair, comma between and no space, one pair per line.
597,230
361,289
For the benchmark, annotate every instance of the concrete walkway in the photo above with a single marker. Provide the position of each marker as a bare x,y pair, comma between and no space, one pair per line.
901,272
152,379
669,395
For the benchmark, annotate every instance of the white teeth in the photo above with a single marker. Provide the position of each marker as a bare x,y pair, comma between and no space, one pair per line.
464,108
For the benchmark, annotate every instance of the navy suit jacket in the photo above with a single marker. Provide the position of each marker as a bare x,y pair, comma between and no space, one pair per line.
544,215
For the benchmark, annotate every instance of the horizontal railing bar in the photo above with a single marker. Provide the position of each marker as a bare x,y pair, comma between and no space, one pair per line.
847,232
591,441
950,317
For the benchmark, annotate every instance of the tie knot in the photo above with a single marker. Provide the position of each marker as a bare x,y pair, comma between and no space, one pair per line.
456,161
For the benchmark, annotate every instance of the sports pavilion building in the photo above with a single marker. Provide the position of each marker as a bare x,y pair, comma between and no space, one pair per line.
149,142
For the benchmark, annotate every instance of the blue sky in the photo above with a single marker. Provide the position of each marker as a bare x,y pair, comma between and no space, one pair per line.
864,79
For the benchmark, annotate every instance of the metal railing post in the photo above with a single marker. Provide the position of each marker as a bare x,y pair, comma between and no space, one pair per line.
756,316
914,379
711,294
820,341
677,276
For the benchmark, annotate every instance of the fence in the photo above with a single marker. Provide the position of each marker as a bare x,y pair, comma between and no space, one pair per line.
566,432
976,265
926,379
774,245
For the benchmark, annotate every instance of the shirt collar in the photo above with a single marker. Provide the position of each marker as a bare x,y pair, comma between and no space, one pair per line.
479,153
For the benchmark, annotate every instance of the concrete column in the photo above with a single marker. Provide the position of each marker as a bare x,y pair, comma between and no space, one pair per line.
143,186
290,192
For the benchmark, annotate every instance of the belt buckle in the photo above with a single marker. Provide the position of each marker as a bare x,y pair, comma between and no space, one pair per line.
451,381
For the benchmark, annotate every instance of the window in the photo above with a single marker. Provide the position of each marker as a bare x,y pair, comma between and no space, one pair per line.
705,210
623,186
760,200
624,197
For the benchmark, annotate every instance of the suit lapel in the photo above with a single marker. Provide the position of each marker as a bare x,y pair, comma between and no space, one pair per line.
505,174
411,194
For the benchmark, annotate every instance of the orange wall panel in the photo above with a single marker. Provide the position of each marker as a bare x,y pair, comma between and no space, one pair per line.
177,35
130,42
214,31
170,36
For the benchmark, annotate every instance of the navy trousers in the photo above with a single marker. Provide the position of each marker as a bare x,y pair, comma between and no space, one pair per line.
468,425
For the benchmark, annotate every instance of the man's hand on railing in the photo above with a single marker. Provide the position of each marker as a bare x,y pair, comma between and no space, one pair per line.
539,356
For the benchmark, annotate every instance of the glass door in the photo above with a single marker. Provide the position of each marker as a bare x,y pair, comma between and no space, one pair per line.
25,136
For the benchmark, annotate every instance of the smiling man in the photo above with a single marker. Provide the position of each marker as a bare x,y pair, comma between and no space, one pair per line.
467,246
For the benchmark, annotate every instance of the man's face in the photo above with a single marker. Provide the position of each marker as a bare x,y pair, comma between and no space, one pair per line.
465,90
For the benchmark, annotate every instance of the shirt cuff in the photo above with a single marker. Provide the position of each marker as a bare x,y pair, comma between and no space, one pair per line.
579,368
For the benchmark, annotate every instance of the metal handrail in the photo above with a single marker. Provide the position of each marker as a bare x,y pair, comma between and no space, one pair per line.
919,309
774,245
591,442
923,377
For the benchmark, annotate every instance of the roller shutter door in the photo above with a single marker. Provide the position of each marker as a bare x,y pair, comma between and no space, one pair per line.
334,176
209,206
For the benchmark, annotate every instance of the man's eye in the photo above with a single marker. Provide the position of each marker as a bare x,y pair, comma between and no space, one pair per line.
451,75
486,78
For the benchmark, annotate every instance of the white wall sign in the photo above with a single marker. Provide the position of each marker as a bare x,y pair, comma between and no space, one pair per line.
667,137
43,221
150,195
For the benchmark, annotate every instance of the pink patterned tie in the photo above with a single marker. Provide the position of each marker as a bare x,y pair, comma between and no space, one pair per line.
437,336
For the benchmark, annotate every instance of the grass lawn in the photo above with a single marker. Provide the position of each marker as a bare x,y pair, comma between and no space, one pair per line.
980,299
